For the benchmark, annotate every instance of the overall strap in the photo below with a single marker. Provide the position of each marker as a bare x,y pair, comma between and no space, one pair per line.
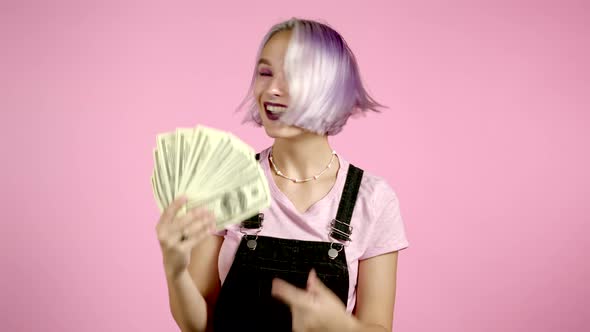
256,220
340,227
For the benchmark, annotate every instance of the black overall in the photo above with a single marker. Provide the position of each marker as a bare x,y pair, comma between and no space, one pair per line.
245,302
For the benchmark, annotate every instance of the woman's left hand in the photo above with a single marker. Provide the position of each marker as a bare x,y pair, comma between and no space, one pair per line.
316,308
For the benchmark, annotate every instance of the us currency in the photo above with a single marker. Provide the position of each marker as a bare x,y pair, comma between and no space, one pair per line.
192,160
183,147
215,161
226,169
214,169
193,179
166,150
229,178
233,160
157,195
235,205
160,181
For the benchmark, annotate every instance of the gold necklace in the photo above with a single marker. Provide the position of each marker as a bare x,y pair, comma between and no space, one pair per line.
279,173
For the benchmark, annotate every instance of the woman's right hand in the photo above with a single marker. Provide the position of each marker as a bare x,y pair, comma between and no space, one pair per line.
179,235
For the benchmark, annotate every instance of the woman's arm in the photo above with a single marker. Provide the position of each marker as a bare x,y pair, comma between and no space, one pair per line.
317,308
193,293
376,292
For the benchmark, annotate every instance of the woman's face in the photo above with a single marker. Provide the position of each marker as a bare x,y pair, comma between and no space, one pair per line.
270,87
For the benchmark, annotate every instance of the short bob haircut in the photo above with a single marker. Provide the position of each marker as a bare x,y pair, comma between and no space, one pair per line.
323,78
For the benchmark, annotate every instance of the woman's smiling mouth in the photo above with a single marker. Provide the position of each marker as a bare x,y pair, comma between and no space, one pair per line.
274,110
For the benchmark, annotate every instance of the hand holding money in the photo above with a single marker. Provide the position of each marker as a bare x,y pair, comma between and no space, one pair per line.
214,169
179,235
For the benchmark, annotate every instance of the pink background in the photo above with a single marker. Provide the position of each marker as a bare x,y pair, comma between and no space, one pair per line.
485,142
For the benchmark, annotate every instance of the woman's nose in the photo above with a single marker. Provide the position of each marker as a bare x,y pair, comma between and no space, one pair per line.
275,91
277,86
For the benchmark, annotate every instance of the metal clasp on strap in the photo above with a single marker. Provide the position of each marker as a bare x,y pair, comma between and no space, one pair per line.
255,223
335,231
340,238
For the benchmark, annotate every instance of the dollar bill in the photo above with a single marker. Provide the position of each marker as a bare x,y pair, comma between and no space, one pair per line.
160,180
157,195
166,150
214,169
183,148
235,205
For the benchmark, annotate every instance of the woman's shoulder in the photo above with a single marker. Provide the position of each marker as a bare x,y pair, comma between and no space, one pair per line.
376,187
379,219
264,152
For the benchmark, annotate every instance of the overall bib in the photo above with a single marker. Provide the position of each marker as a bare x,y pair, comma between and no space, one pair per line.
245,302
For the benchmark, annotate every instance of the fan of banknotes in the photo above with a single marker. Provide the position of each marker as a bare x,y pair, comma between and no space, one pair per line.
214,169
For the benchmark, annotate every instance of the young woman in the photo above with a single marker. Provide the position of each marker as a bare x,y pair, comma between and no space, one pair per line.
323,257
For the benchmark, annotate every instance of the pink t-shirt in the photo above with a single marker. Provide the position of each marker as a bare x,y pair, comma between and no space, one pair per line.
377,224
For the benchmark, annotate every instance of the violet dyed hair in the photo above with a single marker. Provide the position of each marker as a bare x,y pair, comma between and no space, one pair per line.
323,78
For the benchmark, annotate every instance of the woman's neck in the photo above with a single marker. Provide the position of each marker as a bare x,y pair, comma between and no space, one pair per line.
303,156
